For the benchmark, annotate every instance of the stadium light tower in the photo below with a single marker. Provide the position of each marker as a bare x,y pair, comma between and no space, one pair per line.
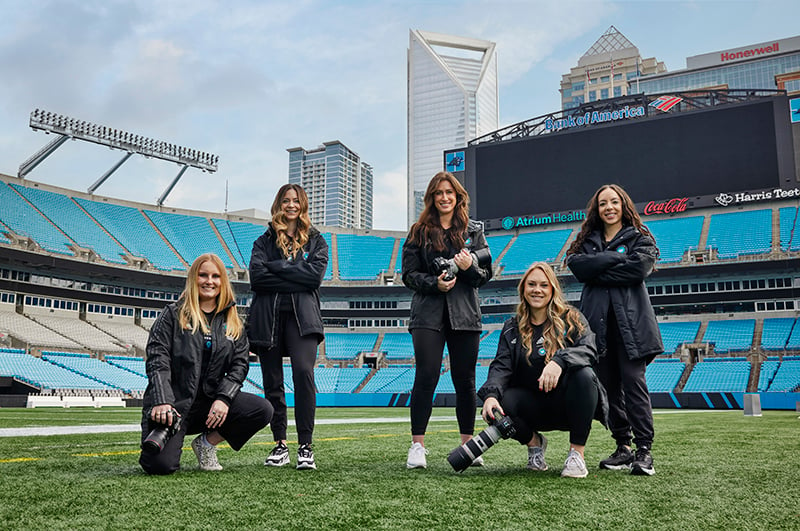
132,144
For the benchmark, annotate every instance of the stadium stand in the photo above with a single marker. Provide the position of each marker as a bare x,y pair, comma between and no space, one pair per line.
42,374
533,247
336,380
676,236
397,346
80,332
190,236
239,237
775,333
497,244
124,333
390,380
129,363
342,346
366,256
790,237
663,375
735,335
73,221
33,333
93,368
740,233
18,215
767,374
720,375
487,348
787,376
133,230
674,335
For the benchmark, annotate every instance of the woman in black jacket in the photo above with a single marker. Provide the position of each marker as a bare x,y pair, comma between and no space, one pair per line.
196,363
612,256
286,270
543,375
440,266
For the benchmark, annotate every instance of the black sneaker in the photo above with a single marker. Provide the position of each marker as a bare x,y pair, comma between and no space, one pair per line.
621,459
305,458
279,456
643,463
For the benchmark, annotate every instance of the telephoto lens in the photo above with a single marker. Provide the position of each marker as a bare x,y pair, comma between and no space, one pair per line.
463,456
158,437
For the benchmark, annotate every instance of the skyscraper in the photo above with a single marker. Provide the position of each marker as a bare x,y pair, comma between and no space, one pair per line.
452,98
337,182
605,71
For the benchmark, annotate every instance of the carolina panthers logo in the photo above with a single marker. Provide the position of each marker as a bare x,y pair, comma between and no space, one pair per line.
508,223
622,249
724,199
542,351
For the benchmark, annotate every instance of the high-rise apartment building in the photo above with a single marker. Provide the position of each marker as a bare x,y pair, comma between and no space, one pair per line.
608,69
337,182
452,98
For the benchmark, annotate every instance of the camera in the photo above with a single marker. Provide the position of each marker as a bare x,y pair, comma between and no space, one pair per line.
158,437
463,456
482,257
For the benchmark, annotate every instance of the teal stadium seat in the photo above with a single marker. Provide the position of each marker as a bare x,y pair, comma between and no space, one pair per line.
725,375
730,336
675,236
191,236
789,229
363,257
674,335
741,233
19,216
534,247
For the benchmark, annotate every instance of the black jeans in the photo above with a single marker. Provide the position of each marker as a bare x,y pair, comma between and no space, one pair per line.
247,415
428,354
629,410
302,350
569,407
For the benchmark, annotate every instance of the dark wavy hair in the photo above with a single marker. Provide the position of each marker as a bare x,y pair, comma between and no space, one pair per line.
428,229
593,221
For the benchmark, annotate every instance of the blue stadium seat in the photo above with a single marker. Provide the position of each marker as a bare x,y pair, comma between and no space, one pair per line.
487,348
776,332
675,236
719,375
533,247
789,229
730,336
787,377
675,334
390,380
43,374
497,244
339,380
363,257
93,368
19,216
191,236
340,346
132,229
397,346
767,374
741,233
663,374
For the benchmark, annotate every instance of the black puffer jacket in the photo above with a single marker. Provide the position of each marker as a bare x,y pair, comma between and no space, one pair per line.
509,364
614,278
427,304
272,274
174,362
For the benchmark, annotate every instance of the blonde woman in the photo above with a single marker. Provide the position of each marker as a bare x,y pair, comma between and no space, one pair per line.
196,363
543,374
286,270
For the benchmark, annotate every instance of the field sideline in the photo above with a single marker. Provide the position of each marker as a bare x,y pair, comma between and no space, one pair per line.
713,470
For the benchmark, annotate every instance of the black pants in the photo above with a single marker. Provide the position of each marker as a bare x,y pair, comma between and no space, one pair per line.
569,407
302,350
428,353
247,415
629,410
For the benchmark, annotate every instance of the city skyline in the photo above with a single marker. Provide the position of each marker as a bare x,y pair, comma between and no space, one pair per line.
244,80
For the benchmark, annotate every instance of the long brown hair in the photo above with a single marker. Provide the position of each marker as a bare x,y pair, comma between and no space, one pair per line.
288,245
593,221
563,322
191,317
429,227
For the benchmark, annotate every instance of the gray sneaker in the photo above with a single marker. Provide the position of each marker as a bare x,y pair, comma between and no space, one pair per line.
536,455
574,466
206,455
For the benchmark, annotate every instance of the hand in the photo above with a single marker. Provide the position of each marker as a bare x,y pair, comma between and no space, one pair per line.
463,259
217,414
162,414
489,405
445,285
549,378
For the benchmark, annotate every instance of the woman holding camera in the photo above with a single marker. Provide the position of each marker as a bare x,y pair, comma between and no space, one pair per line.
440,265
612,256
196,363
542,377
286,270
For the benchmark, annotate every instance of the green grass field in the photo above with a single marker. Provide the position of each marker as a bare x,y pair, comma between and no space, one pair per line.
714,470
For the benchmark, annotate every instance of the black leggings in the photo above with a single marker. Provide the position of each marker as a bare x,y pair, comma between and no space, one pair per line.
428,353
569,407
302,350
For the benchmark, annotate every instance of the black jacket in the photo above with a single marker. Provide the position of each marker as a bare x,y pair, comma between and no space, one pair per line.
427,304
272,274
510,363
174,362
614,279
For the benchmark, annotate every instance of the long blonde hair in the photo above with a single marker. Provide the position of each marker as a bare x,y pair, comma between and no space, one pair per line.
191,317
288,247
563,324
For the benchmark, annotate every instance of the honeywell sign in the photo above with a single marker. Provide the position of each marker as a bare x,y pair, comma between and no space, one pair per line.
753,51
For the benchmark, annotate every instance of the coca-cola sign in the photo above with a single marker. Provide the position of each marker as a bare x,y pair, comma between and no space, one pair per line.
676,204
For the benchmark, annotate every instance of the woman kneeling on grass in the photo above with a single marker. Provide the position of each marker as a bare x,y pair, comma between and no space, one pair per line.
542,376
196,363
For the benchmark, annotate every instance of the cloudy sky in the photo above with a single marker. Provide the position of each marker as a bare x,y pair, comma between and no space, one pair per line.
248,79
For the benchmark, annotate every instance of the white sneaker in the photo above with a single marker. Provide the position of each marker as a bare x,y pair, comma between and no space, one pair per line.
416,456
206,455
574,466
305,458
536,455
279,456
